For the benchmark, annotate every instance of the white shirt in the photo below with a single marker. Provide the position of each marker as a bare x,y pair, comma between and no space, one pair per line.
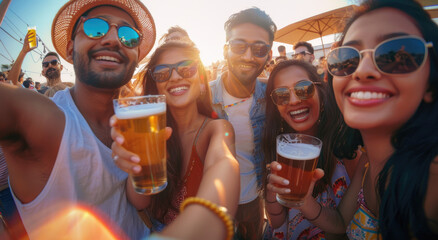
238,116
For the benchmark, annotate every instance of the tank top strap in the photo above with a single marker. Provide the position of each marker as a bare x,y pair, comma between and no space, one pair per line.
367,165
199,131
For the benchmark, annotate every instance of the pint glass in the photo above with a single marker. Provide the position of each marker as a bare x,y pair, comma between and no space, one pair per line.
33,43
298,155
142,122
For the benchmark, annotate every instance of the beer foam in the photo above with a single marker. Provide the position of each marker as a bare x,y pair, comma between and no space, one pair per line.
138,111
298,151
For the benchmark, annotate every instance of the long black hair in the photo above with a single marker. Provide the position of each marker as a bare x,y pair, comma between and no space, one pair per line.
162,202
331,127
403,181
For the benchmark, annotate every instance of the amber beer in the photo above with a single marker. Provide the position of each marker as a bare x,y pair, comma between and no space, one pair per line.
33,43
142,122
298,155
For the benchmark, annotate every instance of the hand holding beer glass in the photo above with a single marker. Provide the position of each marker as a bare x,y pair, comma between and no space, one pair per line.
142,122
298,156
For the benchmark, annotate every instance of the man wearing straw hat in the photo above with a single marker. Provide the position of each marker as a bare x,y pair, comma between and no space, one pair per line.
59,157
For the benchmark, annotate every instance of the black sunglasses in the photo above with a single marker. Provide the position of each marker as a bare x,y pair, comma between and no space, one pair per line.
258,49
399,55
53,62
96,28
163,72
303,89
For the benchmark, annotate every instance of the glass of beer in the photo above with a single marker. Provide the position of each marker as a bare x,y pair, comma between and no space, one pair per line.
142,122
298,155
32,38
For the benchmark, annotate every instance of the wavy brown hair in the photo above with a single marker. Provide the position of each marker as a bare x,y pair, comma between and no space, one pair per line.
162,202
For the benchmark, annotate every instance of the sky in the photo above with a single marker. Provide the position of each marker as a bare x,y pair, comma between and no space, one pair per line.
203,19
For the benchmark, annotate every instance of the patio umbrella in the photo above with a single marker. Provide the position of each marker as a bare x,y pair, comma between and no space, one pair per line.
315,27
431,7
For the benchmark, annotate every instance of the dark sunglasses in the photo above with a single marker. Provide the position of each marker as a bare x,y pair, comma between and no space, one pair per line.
299,54
258,49
162,72
399,55
96,28
303,89
53,62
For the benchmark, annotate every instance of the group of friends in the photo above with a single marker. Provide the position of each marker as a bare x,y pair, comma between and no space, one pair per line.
376,116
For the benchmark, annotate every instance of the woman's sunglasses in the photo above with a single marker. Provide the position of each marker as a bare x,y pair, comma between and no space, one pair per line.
53,62
303,89
258,49
399,55
162,72
96,28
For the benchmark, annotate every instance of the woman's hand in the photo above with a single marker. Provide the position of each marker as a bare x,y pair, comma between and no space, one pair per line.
124,159
277,184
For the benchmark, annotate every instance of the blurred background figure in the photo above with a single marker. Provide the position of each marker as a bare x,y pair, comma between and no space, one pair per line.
52,90
37,86
282,52
175,33
321,68
2,77
304,51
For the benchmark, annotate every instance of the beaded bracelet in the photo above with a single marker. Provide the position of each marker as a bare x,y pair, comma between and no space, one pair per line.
221,212
317,216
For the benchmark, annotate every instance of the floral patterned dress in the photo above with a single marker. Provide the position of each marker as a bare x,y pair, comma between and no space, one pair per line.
298,227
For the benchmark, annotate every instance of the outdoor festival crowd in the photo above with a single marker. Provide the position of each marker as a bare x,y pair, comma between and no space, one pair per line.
372,101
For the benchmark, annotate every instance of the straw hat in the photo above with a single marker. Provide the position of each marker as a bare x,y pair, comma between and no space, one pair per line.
65,19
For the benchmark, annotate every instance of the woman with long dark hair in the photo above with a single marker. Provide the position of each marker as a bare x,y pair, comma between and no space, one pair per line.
201,150
300,102
385,81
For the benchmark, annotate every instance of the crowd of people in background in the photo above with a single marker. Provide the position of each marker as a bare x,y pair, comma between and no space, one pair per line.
372,100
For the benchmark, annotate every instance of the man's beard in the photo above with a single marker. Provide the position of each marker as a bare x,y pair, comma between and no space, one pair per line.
52,74
106,80
244,79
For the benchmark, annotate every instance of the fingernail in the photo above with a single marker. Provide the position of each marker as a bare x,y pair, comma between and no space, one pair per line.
286,182
278,167
112,121
135,159
136,169
287,190
119,140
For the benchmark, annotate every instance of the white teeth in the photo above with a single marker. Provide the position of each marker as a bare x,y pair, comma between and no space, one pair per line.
299,111
245,66
177,89
107,58
369,95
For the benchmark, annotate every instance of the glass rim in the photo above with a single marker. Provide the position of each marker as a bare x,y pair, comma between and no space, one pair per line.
302,135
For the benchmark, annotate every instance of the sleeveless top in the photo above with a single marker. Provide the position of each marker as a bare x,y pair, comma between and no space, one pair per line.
83,175
364,225
191,181
298,227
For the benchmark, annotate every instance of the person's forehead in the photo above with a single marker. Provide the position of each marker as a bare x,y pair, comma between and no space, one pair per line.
250,33
114,14
301,48
50,58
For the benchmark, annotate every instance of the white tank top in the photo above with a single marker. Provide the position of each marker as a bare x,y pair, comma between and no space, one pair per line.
84,174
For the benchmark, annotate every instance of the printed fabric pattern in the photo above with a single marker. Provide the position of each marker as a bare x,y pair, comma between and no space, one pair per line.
298,227
364,225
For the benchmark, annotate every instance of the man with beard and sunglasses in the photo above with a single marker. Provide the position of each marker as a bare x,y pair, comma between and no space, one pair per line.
239,97
52,68
59,157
